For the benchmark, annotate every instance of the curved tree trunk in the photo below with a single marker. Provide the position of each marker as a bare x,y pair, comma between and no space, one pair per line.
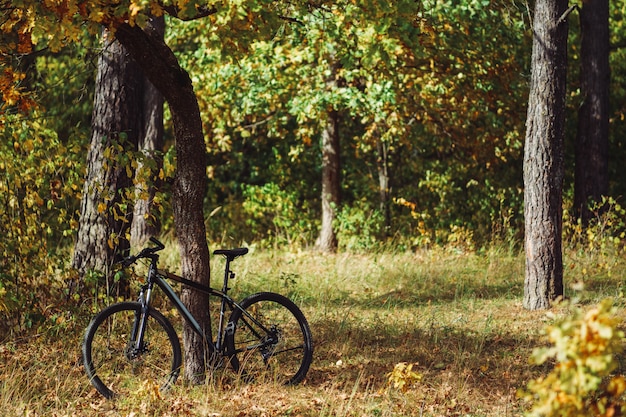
591,180
115,127
161,67
544,156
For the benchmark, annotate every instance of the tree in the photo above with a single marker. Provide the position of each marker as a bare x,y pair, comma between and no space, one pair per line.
331,182
331,78
58,24
115,130
544,156
127,115
591,180
145,223
331,169
161,67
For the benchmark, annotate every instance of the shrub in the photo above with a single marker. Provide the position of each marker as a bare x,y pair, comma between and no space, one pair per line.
40,184
275,216
584,348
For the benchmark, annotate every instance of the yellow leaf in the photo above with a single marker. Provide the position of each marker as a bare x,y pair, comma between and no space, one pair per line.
29,145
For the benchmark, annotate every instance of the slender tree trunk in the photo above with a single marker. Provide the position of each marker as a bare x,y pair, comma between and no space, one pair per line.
544,156
115,127
331,189
383,183
162,68
591,180
145,223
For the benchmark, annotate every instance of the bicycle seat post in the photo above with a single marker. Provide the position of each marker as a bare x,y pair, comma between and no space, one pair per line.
230,255
227,275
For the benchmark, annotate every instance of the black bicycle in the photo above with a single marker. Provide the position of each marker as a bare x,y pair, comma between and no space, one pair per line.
131,344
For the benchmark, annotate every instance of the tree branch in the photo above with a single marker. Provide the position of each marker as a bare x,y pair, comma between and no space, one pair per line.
291,20
254,125
566,13
202,11
156,59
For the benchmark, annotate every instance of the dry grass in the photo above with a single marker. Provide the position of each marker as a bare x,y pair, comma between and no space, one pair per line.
457,316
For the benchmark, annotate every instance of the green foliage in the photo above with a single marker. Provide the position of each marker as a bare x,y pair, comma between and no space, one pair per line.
442,95
360,227
276,215
606,229
584,347
40,184
438,84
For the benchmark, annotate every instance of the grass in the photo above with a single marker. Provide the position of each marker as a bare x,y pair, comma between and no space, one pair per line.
456,316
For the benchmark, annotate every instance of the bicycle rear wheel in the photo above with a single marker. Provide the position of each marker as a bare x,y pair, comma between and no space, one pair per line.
270,341
112,363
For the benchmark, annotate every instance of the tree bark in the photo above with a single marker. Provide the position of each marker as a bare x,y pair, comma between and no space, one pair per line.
591,180
331,188
544,156
382,164
115,127
145,223
161,67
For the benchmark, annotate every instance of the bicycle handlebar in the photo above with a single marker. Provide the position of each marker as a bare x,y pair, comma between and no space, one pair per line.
145,253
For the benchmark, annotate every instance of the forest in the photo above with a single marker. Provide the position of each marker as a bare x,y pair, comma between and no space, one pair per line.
352,128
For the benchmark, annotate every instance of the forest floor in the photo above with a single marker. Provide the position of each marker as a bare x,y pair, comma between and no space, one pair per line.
457,317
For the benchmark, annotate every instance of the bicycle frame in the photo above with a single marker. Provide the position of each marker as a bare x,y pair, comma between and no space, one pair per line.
158,277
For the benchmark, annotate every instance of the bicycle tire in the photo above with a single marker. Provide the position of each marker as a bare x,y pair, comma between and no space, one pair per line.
106,355
254,355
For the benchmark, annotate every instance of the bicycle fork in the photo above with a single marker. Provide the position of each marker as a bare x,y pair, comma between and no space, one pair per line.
136,346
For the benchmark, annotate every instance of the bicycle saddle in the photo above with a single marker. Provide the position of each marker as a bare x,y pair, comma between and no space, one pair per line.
231,254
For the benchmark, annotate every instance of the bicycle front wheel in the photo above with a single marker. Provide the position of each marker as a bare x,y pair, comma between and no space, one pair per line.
270,340
113,362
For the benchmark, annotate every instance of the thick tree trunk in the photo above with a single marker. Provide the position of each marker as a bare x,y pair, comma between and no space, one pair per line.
145,223
331,189
591,180
544,156
114,128
162,68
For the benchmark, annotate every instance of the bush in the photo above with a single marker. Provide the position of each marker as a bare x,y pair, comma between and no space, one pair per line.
581,384
275,216
40,184
359,227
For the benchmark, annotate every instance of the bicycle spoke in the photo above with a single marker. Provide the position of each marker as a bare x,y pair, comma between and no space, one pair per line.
116,365
275,344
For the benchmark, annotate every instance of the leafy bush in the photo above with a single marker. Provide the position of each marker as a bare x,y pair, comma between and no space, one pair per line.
359,227
40,182
584,349
275,216
606,229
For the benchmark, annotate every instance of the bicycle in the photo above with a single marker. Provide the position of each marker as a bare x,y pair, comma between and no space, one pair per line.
130,344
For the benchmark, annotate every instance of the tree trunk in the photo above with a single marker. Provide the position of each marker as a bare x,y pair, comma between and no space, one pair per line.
115,126
382,162
331,189
591,180
162,68
544,156
145,223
